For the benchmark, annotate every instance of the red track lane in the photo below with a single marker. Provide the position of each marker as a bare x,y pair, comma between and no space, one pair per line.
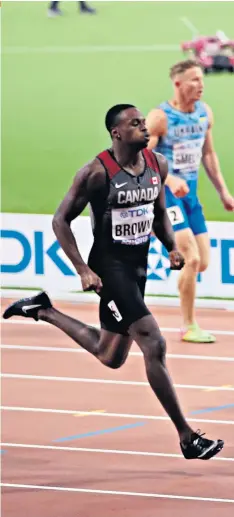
124,473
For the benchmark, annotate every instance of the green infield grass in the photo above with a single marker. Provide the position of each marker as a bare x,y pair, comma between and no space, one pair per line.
60,76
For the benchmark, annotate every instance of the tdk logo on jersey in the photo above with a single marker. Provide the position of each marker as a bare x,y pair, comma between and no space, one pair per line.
135,212
158,261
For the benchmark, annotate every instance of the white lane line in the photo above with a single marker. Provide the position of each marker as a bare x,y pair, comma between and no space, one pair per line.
23,322
107,381
102,451
118,415
90,49
115,492
170,330
137,354
190,26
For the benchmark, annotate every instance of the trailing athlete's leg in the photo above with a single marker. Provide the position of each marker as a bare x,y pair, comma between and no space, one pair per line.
196,253
186,244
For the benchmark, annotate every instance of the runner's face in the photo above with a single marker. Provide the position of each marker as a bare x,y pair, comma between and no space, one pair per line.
191,84
132,129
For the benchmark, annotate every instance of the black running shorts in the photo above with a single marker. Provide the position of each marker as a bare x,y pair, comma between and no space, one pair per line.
122,297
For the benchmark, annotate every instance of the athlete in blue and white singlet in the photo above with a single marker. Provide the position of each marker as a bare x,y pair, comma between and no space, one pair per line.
182,146
181,130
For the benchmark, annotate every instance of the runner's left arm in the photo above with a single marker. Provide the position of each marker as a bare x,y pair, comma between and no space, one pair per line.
212,167
162,227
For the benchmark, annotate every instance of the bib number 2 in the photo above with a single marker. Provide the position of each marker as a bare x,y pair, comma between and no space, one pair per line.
175,215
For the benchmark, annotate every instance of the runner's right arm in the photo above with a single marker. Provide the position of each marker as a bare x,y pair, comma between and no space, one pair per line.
156,123
87,182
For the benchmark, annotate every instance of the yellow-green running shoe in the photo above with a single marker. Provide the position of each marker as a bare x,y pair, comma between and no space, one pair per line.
194,334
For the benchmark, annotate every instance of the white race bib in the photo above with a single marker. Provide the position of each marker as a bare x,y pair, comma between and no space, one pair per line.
187,155
133,225
175,215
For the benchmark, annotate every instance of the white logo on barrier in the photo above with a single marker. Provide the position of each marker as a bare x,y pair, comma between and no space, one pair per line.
158,261
31,256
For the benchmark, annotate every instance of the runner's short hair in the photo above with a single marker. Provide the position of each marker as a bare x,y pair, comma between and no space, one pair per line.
111,119
182,66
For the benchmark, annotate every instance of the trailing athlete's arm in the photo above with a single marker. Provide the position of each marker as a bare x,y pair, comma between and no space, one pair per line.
85,183
156,123
162,227
212,167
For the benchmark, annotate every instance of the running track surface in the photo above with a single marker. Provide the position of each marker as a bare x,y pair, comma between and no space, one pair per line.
68,463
